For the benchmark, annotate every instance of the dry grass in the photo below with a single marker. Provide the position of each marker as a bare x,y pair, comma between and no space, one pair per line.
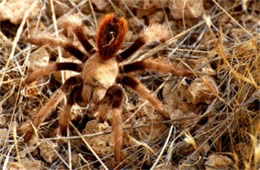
227,36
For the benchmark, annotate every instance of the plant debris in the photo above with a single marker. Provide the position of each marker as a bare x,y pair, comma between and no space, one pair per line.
14,10
215,114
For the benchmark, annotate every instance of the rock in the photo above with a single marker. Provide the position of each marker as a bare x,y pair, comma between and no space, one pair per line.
14,10
218,162
192,8
202,90
47,151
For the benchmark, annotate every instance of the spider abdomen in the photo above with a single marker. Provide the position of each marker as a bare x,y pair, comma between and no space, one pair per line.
98,76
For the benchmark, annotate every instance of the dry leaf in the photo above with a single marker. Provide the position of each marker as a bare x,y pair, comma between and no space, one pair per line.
47,151
14,10
100,4
145,4
3,136
2,120
154,131
25,164
218,162
186,8
202,90
102,144
176,98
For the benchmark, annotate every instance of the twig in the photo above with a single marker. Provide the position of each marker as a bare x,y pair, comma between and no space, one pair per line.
89,147
232,18
164,147
16,39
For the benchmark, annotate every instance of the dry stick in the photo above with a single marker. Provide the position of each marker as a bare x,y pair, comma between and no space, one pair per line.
143,144
117,9
57,35
254,143
164,147
16,145
133,15
232,18
3,100
26,59
145,102
81,3
224,124
75,6
173,39
62,72
14,44
93,13
3,2
57,153
163,45
171,148
89,147
8,157
5,39
15,104
19,32
182,14
166,19
85,161
16,39
108,131
59,19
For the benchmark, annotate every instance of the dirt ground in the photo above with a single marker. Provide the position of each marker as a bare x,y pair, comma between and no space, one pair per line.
214,112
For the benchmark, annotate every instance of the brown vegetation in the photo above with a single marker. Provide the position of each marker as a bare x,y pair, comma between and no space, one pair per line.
214,114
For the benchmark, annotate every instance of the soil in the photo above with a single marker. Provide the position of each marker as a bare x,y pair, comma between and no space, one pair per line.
215,120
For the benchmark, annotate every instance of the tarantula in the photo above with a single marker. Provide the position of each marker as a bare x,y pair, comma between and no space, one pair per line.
100,71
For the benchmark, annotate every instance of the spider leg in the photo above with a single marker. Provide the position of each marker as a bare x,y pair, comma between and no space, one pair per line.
52,103
74,96
141,90
113,98
152,32
103,107
138,43
51,68
74,23
154,66
117,122
105,104
68,46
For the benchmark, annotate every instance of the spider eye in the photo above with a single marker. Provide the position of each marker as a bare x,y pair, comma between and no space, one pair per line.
111,36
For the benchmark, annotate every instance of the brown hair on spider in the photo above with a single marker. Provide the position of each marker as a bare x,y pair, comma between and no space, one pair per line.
111,35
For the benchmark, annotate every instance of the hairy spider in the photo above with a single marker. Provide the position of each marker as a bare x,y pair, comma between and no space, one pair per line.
101,71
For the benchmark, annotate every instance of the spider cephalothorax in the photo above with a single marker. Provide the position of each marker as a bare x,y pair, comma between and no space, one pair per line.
100,73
